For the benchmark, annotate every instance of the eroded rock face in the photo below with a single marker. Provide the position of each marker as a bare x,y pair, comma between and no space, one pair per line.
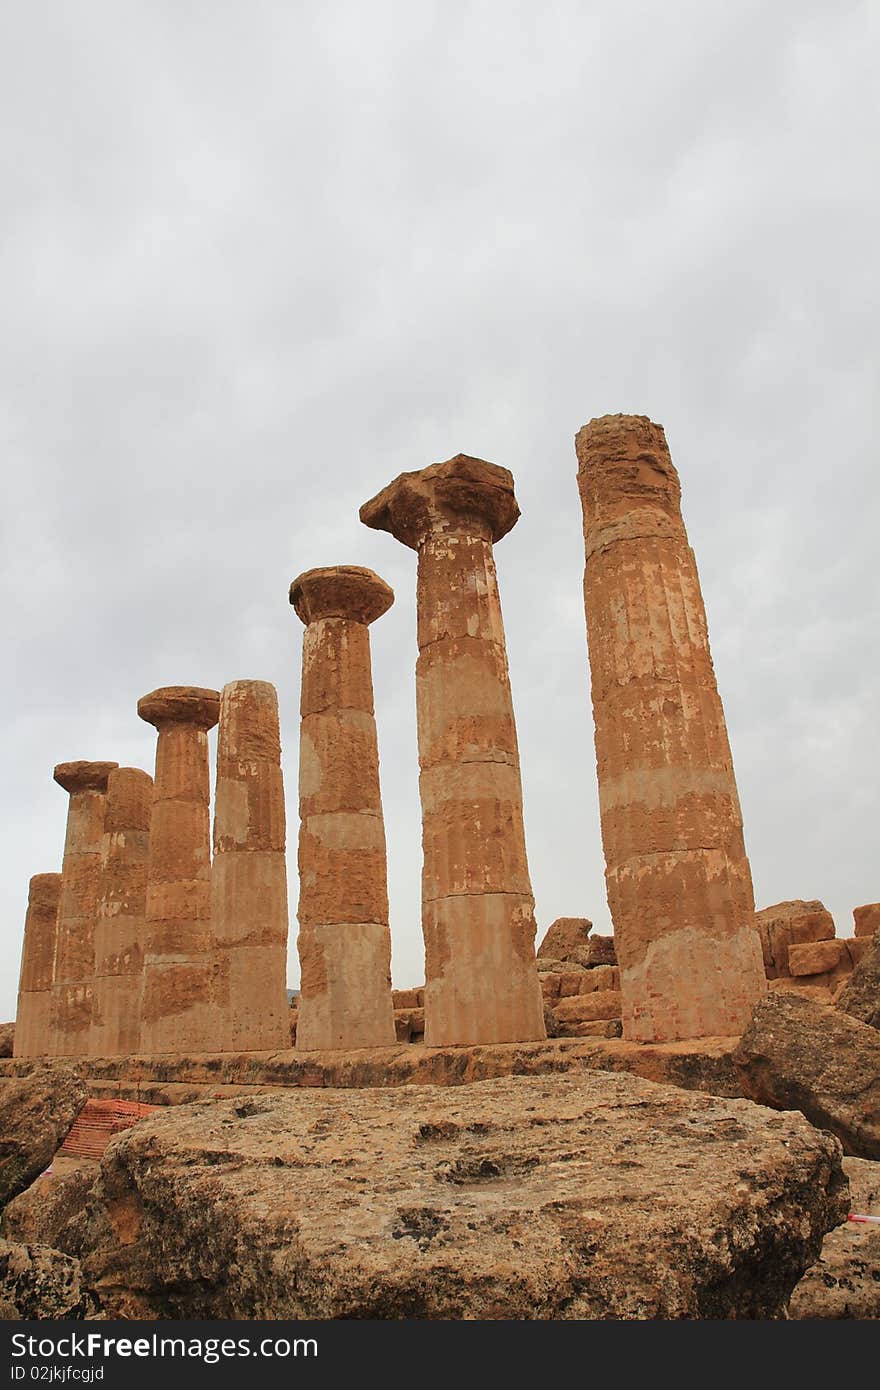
7,1040
800,1055
678,879
565,939
860,997
477,905
564,1197
845,1280
55,1210
36,1113
37,1282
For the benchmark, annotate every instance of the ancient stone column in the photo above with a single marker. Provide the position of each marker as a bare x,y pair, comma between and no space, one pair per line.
80,879
477,906
679,884
177,1011
121,915
249,875
32,1019
344,941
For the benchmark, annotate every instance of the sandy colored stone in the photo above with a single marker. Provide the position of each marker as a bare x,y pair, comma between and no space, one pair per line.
790,923
33,1032
816,957
518,1198
7,1040
477,905
409,998
564,936
678,879
249,914
36,1113
860,997
178,1006
845,1280
53,1210
583,1008
39,1283
600,977
866,919
797,1054
344,940
73,981
120,914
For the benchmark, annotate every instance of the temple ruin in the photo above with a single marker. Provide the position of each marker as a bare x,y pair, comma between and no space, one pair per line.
481,982
344,938
33,1037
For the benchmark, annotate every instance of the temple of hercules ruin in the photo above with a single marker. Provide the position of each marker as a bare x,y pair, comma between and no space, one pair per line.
678,879
481,981
72,990
177,1012
33,1036
120,914
344,938
249,874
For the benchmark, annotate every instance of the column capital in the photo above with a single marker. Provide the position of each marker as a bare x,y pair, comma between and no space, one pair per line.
341,591
463,494
83,776
180,704
624,467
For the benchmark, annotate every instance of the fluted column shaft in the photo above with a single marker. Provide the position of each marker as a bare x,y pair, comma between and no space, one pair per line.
177,1011
678,879
249,916
121,914
73,986
344,939
33,1015
481,982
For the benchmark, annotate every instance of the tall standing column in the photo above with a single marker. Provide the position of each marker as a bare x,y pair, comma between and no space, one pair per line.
32,1018
344,940
177,1011
72,990
121,915
679,884
249,874
477,905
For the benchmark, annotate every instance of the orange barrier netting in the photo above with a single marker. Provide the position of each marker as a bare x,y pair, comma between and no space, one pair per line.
98,1122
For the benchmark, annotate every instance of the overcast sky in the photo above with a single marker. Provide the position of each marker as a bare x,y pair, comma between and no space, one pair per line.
257,259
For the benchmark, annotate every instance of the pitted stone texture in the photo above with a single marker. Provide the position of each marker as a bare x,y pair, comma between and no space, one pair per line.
178,1013
33,1017
679,884
38,1283
477,904
120,923
73,985
36,1113
249,874
845,1280
580,1197
866,919
793,923
860,997
344,941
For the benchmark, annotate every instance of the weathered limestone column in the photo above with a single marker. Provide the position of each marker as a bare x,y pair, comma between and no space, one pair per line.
679,884
32,1019
121,914
249,874
177,1012
477,905
344,940
80,879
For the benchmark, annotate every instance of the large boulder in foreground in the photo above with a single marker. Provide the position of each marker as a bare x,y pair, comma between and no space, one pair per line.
799,1055
845,1280
573,1196
36,1282
55,1210
860,996
36,1114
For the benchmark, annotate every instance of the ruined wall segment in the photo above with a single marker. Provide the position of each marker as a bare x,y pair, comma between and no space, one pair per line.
344,939
249,916
477,905
177,1012
72,990
678,879
32,1036
120,914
